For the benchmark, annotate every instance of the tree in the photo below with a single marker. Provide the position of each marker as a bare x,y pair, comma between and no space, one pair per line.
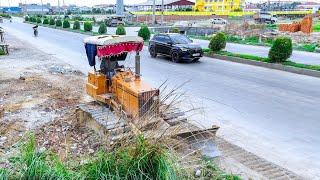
51,22
281,50
76,25
120,30
144,32
58,23
218,42
66,24
102,28
87,26
26,18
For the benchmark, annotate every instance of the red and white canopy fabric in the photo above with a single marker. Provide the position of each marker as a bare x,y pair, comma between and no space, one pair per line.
110,45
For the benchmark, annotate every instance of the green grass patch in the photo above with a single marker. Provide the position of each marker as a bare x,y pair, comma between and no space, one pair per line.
316,27
306,47
262,59
244,56
138,160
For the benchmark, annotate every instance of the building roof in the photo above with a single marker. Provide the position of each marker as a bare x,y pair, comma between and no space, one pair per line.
166,2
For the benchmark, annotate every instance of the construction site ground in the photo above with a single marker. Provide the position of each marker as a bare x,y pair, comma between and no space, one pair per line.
39,92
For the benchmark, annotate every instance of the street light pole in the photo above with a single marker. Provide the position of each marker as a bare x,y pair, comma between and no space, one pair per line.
162,11
42,7
154,12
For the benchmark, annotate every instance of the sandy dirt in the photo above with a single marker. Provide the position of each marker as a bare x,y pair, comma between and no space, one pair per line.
40,93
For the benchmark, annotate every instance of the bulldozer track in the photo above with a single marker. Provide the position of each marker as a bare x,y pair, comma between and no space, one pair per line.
267,169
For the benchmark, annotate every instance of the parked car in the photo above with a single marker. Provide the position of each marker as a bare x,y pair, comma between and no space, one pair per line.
177,46
218,21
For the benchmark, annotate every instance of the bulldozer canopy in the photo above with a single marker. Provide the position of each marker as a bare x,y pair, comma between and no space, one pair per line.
111,46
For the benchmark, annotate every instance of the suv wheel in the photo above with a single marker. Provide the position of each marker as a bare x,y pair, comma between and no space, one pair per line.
175,57
153,52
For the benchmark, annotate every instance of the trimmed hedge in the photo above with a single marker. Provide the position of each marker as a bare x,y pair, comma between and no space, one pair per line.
144,32
58,23
218,42
102,28
87,26
52,22
26,18
66,24
76,25
120,30
39,20
281,50
46,21
175,30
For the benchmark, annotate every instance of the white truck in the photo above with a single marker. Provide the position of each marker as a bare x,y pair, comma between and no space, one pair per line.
265,17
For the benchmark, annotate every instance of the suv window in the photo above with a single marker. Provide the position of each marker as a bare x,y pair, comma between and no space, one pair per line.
180,39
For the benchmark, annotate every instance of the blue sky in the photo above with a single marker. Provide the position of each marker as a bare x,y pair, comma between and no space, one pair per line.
87,2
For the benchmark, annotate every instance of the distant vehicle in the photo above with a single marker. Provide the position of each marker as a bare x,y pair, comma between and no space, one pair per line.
266,17
115,21
218,21
177,46
182,24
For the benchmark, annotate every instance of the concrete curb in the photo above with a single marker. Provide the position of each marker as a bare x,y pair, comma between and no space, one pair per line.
280,67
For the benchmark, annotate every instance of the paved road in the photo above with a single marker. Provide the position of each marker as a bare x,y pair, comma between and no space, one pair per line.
297,56
271,113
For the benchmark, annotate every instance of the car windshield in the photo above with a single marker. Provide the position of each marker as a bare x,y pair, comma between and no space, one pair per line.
180,39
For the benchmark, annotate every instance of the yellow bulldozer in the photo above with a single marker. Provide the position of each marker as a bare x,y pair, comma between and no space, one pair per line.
124,100
119,87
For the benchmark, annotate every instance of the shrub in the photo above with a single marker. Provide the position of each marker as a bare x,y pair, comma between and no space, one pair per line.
46,21
175,30
33,19
120,30
87,26
102,28
281,50
39,20
66,24
26,18
144,32
218,42
76,25
58,23
51,22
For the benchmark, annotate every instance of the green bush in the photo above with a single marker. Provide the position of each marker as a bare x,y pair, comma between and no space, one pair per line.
281,50
26,18
33,19
58,23
144,32
52,22
102,28
175,30
218,42
39,20
76,25
120,30
46,21
66,24
87,26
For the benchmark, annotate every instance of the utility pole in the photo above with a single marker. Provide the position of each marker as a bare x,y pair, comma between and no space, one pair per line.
42,7
154,12
59,7
162,11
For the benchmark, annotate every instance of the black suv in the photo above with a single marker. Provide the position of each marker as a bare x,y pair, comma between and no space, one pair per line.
179,47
